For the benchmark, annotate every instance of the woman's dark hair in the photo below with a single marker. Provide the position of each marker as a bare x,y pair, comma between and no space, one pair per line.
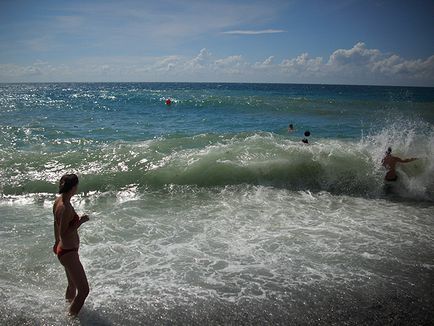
67,182
307,133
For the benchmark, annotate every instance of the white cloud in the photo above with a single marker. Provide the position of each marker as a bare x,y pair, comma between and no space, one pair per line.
373,65
357,65
200,61
266,63
302,63
396,66
357,55
163,64
255,32
233,60
232,65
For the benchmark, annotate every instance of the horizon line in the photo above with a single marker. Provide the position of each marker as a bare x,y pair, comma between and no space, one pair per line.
254,32
207,82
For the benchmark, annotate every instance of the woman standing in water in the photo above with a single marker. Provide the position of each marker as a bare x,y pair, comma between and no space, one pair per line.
66,224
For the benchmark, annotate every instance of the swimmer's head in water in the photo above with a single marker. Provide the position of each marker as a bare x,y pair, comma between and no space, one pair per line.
389,150
291,126
67,182
307,133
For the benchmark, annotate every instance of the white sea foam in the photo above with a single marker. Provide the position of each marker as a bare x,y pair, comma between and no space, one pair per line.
183,244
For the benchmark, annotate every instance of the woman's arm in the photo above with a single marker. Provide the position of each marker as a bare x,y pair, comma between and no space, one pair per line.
83,219
76,223
56,232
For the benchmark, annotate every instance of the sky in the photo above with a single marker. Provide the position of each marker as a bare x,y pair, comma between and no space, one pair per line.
369,42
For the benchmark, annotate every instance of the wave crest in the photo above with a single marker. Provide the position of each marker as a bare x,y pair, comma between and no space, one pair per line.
209,160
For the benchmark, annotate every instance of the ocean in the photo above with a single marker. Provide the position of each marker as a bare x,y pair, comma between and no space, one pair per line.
208,212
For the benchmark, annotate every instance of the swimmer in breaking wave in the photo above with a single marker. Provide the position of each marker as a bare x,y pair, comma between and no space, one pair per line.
389,162
305,140
66,224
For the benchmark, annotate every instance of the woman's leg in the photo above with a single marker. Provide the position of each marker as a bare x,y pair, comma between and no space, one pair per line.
74,268
71,290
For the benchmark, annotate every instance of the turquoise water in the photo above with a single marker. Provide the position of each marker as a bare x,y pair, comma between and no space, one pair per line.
208,211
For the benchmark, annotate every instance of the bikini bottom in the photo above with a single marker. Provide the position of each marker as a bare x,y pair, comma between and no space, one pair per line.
60,251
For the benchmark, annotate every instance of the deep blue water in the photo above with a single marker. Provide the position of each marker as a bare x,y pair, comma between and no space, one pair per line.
136,111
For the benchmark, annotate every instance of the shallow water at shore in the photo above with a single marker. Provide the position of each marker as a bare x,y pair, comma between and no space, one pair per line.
178,251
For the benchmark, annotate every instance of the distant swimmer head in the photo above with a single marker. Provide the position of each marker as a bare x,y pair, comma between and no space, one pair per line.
67,183
168,101
307,133
291,126
389,150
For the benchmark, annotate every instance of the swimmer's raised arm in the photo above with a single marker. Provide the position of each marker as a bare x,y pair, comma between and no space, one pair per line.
407,160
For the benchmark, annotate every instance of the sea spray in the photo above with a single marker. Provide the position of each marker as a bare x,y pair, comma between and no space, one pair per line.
408,138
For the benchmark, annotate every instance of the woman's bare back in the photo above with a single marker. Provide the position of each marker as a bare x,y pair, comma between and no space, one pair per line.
64,217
